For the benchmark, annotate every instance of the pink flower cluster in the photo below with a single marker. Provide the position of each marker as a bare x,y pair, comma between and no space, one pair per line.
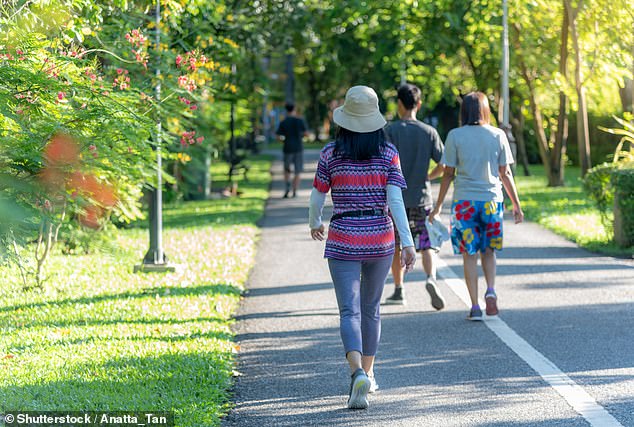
122,81
73,53
186,101
28,97
190,138
141,57
187,83
92,76
19,52
51,69
191,59
136,38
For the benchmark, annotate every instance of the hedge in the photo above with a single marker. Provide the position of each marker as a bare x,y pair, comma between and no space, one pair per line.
623,185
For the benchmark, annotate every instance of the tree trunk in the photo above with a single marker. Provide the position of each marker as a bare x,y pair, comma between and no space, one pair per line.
583,132
627,96
627,92
522,156
314,119
557,165
542,141
545,152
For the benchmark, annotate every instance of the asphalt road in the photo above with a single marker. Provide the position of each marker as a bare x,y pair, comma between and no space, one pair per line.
572,307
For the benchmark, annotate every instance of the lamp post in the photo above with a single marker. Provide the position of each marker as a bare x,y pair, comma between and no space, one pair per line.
505,96
155,259
505,66
265,110
404,42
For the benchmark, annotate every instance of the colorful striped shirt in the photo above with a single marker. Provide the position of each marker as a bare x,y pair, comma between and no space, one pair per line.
359,185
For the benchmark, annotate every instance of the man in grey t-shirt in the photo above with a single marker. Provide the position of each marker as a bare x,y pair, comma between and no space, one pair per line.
417,144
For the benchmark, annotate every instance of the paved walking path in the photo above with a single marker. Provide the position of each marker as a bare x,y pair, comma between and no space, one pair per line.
572,307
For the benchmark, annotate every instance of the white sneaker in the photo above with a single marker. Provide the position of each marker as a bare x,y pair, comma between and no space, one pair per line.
359,387
373,384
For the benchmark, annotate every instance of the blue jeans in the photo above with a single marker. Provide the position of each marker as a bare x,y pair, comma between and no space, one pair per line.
359,286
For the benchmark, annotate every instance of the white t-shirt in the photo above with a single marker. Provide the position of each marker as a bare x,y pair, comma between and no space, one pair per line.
477,152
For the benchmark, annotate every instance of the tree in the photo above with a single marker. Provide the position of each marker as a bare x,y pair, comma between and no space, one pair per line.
583,138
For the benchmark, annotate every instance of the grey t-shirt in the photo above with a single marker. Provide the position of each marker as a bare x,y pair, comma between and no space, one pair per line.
417,144
477,152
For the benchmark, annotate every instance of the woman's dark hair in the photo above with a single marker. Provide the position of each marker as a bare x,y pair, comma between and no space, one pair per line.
475,109
359,146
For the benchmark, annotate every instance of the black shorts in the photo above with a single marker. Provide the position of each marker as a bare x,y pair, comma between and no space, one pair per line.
295,159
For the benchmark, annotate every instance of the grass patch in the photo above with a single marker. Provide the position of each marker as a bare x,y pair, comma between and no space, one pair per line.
99,337
567,211
227,212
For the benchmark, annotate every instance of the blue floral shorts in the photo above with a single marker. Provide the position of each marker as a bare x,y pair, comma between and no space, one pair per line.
476,226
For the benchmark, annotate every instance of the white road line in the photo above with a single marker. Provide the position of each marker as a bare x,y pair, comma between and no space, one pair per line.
576,396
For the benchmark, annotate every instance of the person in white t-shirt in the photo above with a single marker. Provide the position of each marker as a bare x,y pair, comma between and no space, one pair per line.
477,159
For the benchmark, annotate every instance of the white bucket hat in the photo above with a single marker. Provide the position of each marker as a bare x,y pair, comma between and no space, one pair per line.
360,111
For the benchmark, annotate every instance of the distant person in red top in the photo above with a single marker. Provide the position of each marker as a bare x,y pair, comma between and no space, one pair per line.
362,172
291,131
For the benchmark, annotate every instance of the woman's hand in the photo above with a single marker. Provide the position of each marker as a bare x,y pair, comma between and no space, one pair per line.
408,258
318,233
518,214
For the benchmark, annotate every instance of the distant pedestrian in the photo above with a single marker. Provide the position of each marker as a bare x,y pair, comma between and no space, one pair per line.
362,172
477,155
417,144
291,131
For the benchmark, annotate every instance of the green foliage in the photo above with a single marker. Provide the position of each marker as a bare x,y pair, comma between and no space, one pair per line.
86,72
567,210
101,337
598,185
613,181
621,155
623,184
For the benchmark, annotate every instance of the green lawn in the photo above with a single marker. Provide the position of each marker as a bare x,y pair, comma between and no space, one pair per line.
99,337
566,210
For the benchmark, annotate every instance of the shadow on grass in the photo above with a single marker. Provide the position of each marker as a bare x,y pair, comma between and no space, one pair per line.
161,291
99,340
192,385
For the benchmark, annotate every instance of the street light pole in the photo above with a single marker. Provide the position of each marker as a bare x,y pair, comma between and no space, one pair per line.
505,96
155,259
505,66
403,55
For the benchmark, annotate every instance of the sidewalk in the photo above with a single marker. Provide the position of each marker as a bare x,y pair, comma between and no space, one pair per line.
434,368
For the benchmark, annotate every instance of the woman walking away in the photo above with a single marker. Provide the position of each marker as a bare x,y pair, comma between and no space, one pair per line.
362,171
478,156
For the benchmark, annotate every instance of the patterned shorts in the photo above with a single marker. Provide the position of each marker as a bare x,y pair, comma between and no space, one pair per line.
476,226
416,217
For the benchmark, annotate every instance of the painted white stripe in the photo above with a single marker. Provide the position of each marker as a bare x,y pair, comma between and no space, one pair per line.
576,396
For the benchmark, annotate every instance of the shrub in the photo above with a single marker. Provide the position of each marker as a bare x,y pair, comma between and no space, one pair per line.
623,184
598,185
611,185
